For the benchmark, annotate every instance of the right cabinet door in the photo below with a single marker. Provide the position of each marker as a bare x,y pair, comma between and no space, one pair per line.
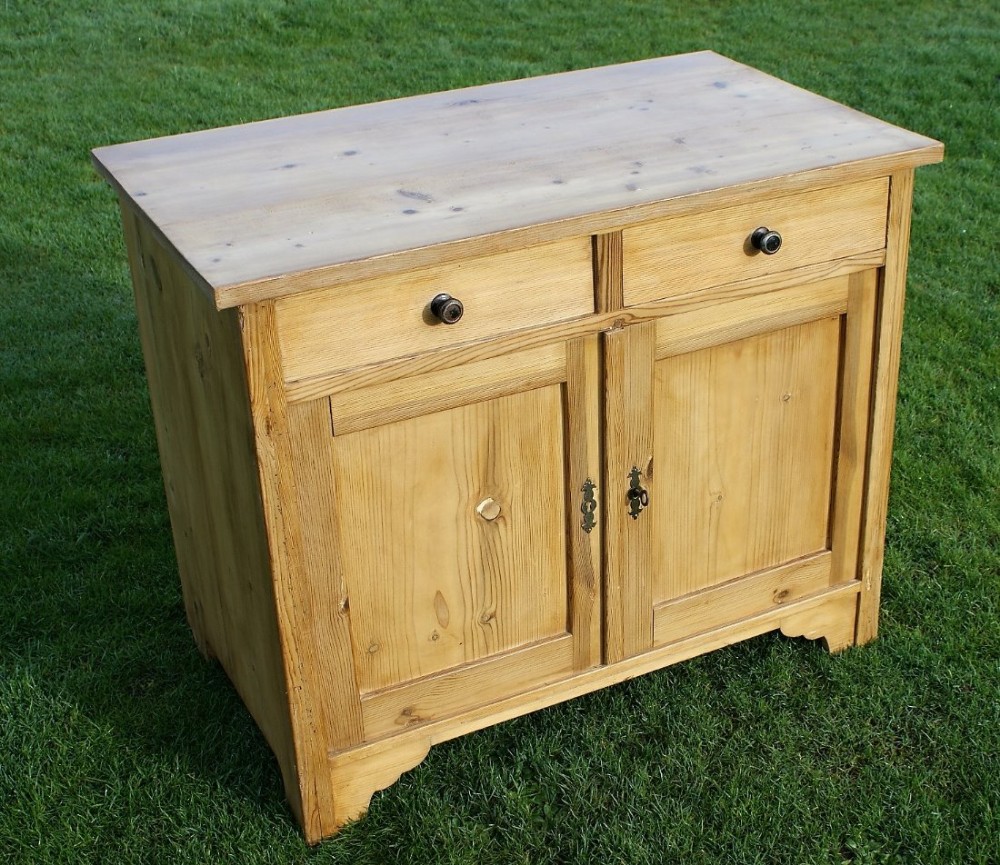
747,443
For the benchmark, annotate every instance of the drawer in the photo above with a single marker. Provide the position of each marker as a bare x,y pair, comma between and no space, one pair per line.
681,254
379,319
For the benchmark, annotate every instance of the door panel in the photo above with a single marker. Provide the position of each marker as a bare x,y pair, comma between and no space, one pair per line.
743,443
434,584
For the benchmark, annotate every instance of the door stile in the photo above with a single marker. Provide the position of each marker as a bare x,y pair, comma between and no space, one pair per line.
585,499
852,432
628,483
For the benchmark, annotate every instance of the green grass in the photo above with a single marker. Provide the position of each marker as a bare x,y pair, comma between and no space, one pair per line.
119,744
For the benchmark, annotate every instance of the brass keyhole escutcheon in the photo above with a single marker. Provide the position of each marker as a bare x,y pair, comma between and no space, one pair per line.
489,509
588,506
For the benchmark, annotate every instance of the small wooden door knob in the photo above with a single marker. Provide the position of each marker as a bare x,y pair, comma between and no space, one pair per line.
488,509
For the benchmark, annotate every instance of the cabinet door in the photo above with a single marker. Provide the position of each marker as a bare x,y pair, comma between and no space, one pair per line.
744,425
447,508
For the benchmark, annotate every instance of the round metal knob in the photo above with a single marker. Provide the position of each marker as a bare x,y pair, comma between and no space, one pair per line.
447,309
767,241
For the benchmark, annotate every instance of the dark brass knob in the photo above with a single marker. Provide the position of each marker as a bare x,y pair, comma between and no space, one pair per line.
767,241
641,495
447,309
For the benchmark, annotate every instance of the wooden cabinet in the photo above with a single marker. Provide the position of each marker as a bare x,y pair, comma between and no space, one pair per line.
474,402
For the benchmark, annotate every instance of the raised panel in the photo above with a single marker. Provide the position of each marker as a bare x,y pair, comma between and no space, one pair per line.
432,582
743,455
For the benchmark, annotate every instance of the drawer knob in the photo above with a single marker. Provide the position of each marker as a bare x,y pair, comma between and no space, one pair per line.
767,241
447,309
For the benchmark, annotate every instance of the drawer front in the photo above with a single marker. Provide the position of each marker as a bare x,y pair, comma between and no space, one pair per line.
681,254
336,329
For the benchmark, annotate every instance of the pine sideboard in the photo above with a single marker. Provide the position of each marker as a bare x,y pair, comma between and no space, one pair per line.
473,402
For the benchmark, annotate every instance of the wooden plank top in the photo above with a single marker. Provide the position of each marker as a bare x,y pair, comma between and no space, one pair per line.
276,207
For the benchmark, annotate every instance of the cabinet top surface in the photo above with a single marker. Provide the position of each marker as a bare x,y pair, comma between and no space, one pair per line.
267,209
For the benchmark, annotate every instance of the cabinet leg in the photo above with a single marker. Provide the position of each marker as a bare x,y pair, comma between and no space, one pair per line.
353,777
833,622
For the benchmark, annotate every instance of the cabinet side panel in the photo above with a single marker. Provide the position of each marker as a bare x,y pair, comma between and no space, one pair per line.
199,398
888,335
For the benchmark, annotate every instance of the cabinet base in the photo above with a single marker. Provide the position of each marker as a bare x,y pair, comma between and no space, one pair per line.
833,622
355,775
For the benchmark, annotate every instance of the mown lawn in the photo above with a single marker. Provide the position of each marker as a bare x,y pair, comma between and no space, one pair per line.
118,743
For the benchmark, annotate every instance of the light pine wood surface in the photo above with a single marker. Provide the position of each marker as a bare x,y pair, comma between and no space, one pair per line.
722,604
401,399
383,318
392,531
682,254
204,428
827,615
433,584
888,338
743,444
754,289
281,204
628,444
853,430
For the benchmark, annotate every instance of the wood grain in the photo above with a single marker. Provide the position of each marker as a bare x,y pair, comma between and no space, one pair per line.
357,775
750,595
681,254
316,716
277,207
711,324
370,767
608,264
431,698
852,435
433,585
401,399
582,422
198,389
832,622
805,612
628,443
321,603
378,517
743,452
446,358
888,335
329,331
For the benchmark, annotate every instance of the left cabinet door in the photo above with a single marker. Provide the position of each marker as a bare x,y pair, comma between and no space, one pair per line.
450,509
